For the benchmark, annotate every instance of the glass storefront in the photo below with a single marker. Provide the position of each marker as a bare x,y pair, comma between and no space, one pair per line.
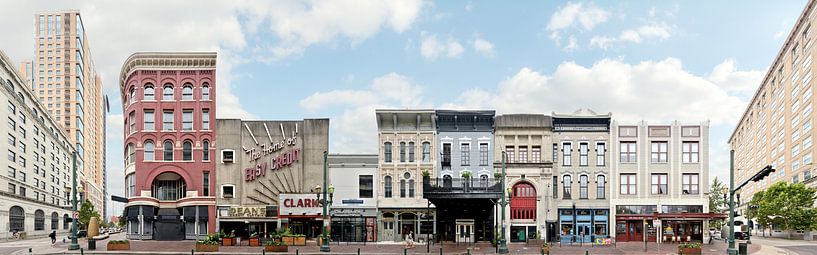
583,225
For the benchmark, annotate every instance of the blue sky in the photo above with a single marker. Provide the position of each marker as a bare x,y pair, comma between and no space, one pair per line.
642,60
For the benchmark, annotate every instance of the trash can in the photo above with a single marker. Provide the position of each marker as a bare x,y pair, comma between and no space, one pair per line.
91,244
743,249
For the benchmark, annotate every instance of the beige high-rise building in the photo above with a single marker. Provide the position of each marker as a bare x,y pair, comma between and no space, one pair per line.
776,127
63,77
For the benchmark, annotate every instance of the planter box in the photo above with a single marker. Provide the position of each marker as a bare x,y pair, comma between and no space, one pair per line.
255,241
294,240
118,246
276,248
228,241
689,251
206,247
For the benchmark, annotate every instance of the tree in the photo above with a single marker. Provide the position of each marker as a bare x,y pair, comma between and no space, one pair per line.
789,205
86,211
754,213
717,203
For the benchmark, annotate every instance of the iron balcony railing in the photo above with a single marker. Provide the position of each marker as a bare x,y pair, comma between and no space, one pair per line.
461,185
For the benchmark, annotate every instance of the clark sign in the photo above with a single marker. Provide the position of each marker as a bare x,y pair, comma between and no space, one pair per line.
299,205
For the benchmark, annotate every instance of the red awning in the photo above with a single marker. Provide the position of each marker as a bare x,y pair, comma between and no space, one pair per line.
669,216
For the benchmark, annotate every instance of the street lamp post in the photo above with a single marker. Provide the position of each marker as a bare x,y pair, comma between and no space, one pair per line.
325,202
74,244
503,246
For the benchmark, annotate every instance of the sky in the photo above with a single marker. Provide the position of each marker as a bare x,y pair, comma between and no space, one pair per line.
656,61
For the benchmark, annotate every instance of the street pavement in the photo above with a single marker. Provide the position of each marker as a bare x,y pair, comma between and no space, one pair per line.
789,247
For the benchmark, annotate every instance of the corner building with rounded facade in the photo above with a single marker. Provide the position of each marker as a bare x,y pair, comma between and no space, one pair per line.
169,104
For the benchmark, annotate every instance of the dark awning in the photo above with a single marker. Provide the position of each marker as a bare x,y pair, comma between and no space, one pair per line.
132,213
203,213
189,213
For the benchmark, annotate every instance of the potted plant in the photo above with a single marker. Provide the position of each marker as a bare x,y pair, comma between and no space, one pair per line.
497,176
228,239
275,246
426,174
545,248
293,239
119,245
689,248
209,244
254,240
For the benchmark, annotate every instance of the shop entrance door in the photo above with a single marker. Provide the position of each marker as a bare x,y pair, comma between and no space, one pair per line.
465,230
635,231
388,230
583,233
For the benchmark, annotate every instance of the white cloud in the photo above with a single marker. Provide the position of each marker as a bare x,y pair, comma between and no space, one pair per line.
354,127
572,44
658,31
575,15
484,47
740,83
432,48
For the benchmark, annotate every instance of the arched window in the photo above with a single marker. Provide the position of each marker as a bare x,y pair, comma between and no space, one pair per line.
483,180
17,219
566,184
168,92
601,184
149,152
583,186
55,220
387,152
402,152
187,92
187,150
402,188
205,91
411,187
65,221
168,150
387,186
39,220
426,152
131,94
205,150
447,181
131,154
169,186
150,92
523,201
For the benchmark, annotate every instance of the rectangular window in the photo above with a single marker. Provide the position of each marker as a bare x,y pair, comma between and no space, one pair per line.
148,119
567,184
132,122
402,152
411,150
555,152
366,183
426,152
690,152
555,187
583,154
465,154
523,154
627,184
659,184
187,119
601,151
446,163
131,185
583,187
167,120
387,152
658,154
227,191
628,151
690,184
227,156
601,184
205,119
483,154
566,153
205,184
509,154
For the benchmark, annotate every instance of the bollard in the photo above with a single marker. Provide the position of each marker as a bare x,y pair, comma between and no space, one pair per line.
404,251
81,251
264,252
192,251
296,251
586,252
468,251
358,251
29,251
441,250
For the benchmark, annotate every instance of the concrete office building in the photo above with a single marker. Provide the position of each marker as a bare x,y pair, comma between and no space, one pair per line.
63,77
581,142
34,193
268,175
403,158
354,207
776,127
168,100
661,182
526,141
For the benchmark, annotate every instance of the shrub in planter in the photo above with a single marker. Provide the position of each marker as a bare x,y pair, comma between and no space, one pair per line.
119,245
209,244
689,248
228,239
254,240
276,246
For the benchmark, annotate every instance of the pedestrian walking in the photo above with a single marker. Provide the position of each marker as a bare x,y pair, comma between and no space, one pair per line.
53,236
410,240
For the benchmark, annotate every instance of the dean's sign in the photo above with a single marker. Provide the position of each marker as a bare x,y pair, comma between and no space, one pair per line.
299,205
271,156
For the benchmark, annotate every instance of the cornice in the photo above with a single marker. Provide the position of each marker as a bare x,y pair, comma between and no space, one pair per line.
166,61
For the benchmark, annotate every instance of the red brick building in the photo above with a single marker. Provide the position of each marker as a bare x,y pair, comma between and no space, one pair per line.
169,111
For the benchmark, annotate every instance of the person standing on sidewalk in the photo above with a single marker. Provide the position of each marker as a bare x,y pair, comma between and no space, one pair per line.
53,236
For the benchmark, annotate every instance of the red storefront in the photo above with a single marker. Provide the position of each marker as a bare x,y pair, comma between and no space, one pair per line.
674,227
168,102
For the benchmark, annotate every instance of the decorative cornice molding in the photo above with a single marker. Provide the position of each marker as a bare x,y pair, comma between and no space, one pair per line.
166,61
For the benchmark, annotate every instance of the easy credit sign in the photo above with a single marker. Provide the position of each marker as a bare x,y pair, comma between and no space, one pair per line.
299,205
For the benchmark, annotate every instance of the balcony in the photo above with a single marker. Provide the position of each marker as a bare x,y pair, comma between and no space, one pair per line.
467,188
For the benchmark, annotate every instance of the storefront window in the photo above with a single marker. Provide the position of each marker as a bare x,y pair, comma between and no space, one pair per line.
567,229
600,229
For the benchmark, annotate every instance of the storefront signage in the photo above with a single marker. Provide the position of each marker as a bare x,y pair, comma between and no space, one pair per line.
248,212
278,160
282,160
352,201
299,205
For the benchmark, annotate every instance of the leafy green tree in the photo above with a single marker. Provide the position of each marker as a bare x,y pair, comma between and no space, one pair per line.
86,211
789,205
717,203
754,213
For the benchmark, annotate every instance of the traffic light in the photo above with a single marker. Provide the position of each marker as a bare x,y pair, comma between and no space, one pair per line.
766,171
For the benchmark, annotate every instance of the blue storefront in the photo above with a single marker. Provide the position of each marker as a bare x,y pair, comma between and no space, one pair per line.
583,225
